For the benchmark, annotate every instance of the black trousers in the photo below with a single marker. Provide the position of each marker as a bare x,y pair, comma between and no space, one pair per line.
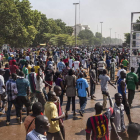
131,94
126,108
68,103
92,88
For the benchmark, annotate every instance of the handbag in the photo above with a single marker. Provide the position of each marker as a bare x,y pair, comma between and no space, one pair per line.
30,124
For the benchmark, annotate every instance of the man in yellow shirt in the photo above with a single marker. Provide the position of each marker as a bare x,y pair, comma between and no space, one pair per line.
29,68
52,115
36,67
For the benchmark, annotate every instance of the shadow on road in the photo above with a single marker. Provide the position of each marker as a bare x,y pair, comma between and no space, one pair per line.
82,132
89,110
138,106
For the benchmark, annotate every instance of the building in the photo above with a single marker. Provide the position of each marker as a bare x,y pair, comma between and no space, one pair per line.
79,27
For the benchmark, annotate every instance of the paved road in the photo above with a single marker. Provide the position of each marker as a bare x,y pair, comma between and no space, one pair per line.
74,126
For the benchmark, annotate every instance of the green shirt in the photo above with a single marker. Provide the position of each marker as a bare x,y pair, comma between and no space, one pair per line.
125,63
25,71
22,62
131,80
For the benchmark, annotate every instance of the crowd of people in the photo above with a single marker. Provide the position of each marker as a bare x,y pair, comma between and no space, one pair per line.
36,80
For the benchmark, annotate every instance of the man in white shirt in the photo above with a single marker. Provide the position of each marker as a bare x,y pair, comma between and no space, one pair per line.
44,57
76,64
27,58
70,62
117,61
101,66
118,74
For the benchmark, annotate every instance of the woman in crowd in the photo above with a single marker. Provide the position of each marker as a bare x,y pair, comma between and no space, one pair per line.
70,83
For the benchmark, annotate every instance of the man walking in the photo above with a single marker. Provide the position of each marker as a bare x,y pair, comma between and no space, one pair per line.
104,86
125,63
122,90
92,74
61,65
132,82
98,124
11,89
22,96
119,71
82,90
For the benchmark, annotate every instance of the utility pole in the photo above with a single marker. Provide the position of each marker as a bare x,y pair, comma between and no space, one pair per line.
115,39
101,32
79,11
75,23
110,35
118,39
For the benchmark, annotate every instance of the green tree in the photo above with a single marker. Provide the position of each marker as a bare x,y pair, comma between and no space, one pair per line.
70,41
98,35
69,30
64,29
62,39
42,28
53,28
97,41
47,37
87,37
10,22
127,38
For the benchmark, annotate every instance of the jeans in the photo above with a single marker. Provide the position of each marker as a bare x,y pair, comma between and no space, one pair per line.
68,103
10,103
92,89
83,102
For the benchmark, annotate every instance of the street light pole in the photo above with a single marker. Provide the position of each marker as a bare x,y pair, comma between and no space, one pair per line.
115,39
75,23
110,35
101,32
118,39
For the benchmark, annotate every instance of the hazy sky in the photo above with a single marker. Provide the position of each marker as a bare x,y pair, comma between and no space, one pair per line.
115,14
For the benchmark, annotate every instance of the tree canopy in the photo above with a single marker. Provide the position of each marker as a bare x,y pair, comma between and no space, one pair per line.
21,26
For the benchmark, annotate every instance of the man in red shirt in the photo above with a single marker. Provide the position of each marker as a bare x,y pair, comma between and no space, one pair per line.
13,67
11,62
98,124
65,60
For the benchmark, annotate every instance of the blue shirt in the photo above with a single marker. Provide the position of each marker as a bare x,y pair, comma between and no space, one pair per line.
49,62
9,58
61,66
81,85
22,85
119,86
